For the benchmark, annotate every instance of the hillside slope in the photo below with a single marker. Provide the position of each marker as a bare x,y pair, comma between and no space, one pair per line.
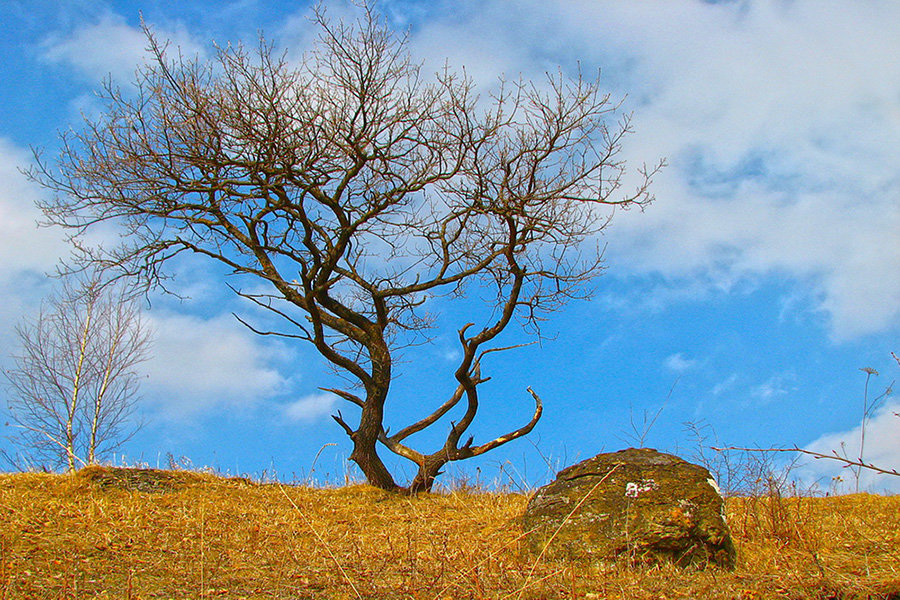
105,533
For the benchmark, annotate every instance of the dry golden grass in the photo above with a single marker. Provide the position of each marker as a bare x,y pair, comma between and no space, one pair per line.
99,534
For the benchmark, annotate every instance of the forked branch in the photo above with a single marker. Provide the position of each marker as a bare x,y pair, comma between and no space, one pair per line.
538,410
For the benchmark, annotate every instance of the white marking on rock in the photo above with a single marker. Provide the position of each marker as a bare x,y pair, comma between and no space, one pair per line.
633,490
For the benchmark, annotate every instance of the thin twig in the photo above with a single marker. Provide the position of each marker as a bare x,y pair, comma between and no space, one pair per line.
52,439
817,455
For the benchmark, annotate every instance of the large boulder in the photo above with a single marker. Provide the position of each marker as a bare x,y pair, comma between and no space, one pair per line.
637,504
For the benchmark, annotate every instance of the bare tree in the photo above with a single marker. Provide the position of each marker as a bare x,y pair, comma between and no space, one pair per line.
73,387
357,192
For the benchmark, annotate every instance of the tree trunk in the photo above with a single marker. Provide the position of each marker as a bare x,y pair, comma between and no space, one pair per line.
365,456
428,472
371,421
365,440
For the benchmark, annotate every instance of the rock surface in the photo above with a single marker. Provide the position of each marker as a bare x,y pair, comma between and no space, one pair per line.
637,504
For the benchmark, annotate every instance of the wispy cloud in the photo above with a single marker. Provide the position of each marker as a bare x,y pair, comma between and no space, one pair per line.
311,407
23,245
27,252
778,144
777,386
678,363
726,385
198,363
111,47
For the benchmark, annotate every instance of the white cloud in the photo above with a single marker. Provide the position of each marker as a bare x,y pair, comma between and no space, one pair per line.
111,47
198,362
783,132
845,251
23,245
311,407
781,121
882,449
27,252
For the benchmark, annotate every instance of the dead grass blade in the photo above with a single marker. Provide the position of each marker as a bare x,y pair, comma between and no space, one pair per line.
555,533
321,541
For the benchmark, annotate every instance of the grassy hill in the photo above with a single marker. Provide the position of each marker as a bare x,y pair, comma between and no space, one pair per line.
105,533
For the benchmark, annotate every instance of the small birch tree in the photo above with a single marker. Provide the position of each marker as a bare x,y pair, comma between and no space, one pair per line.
74,383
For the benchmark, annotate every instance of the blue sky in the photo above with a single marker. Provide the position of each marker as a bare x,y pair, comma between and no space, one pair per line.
747,297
